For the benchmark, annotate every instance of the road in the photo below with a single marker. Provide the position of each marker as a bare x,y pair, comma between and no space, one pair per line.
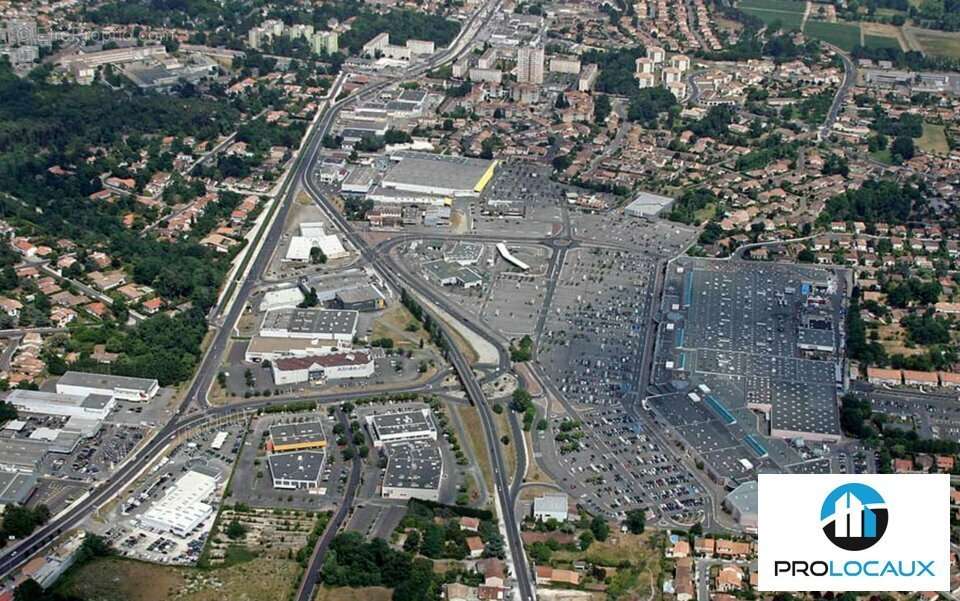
312,574
502,480
849,79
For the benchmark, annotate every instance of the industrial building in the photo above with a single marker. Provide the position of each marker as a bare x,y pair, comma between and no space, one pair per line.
296,470
324,324
297,437
16,487
439,175
361,298
317,369
119,387
183,507
742,504
414,424
452,274
93,406
551,506
414,470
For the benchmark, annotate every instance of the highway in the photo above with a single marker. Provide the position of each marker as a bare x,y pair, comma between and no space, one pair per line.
242,287
388,271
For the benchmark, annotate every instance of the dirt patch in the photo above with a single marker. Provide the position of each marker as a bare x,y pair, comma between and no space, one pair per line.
472,425
394,324
115,579
369,593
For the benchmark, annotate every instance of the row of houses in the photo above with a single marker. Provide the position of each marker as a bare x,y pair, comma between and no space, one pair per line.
908,377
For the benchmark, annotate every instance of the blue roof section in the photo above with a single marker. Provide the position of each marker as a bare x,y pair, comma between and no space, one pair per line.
724,413
805,289
680,337
688,289
754,443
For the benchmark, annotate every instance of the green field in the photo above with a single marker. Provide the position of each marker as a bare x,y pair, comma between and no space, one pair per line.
787,12
934,139
879,41
784,6
938,42
842,35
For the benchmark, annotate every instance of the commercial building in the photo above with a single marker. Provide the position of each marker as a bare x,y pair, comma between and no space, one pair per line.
452,274
414,470
324,324
360,181
742,504
301,247
549,506
414,424
530,64
264,348
119,387
183,508
318,369
439,175
296,470
94,406
113,56
16,487
361,298
297,437
647,204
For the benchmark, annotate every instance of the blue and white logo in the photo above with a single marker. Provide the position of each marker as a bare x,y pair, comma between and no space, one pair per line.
854,517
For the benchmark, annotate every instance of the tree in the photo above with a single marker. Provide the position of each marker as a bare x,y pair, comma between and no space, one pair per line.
600,528
412,543
601,109
903,148
586,539
235,530
636,521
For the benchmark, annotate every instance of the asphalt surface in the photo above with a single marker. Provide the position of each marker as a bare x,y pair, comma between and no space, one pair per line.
849,79
311,575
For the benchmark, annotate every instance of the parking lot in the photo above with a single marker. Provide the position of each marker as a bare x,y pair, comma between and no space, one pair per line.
253,485
595,325
196,452
664,239
616,464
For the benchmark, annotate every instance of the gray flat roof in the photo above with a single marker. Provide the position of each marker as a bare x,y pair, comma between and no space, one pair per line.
413,464
312,321
647,203
91,380
22,453
744,497
96,401
303,465
417,420
358,295
15,487
284,434
439,171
